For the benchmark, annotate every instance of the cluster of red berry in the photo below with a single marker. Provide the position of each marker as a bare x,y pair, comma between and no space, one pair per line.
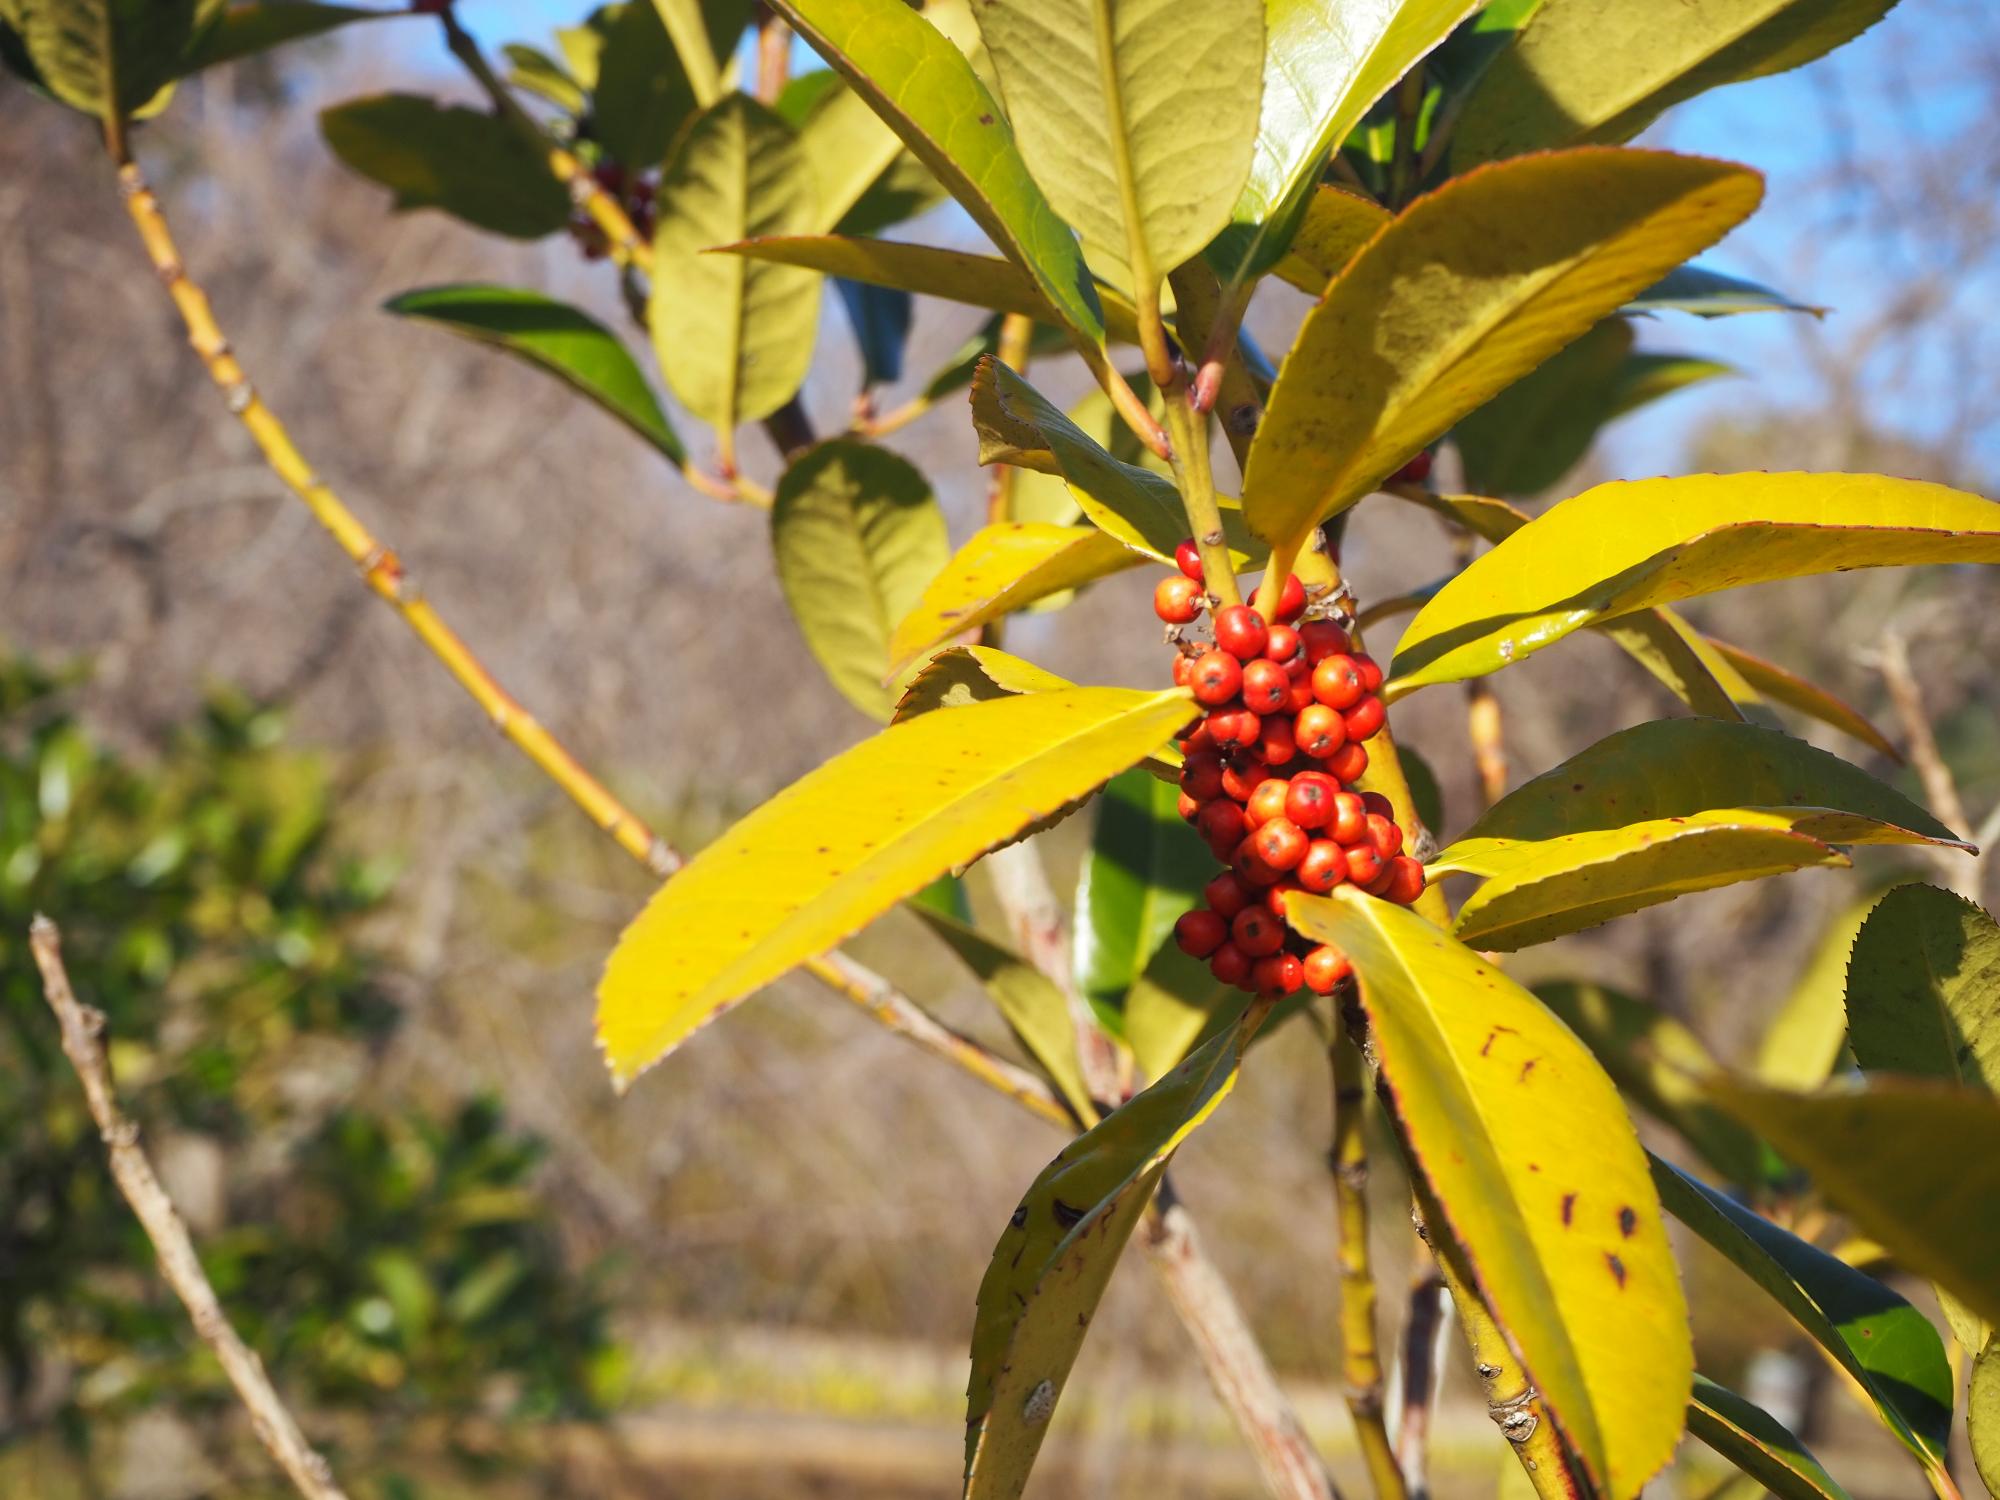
1268,782
635,192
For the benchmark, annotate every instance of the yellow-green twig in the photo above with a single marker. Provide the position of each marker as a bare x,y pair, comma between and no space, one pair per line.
1360,1357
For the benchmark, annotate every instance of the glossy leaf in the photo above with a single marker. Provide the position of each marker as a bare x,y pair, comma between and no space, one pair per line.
1325,63
734,336
955,275
108,58
1982,1416
1335,225
1758,1444
1145,867
837,848
857,535
1101,93
1603,70
1001,569
1923,989
1469,289
468,163
1654,1058
1713,294
972,674
1525,1144
1892,1350
1916,1165
926,91
1033,1007
570,344
1774,683
1056,1255
240,31
1623,547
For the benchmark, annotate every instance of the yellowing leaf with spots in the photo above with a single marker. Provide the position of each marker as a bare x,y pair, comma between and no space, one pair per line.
1056,1255
1001,569
1629,546
1526,1146
1467,290
836,849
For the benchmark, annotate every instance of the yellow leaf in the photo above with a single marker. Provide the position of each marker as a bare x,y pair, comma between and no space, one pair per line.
1053,1260
1766,679
1623,547
1469,289
836,849
1526,1146
1808,1032
972,674
1337,224
1001,569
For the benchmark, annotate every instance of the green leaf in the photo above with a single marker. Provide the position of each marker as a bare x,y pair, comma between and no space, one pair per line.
704,34
1173,1004
1982,1416
245,30
1623,547
1523,1141
1603,70
643,96
1654,1059
541,75
928,94
1892,1350
734,336
1056,1255
105,57
839,847
1145,867
955,275
1101,93
1915,1164
572,345
1682,660
1713,294
1001,569
857,536
1325,63
1805,1038
1425,794
1768,680
1923,989
1033,1007
1758,1444
1661,810
1469,289
470,164
849,147
1335,224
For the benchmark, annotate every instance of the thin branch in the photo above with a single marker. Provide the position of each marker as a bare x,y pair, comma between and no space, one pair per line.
1423,1335
1892,660
1360,1360
82,1043
774,56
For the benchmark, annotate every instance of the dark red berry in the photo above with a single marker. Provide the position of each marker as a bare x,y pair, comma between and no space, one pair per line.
1385,836
1177,600
1416,471
1215,676
1321,639
1266,688
1222,824
1278,744
1187,557
1226,895
1241,631
1379,805
1277,975
1371,673
1189,807
1257,932
1230,964
1248,866
1201,775
1200,933
1324,969
1406,883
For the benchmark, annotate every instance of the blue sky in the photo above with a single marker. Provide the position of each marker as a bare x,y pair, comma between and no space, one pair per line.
1843,225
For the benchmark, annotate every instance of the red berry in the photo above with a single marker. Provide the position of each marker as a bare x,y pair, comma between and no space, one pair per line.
1300,697
1349,823
1230,964
1319,731
1274,898
1385,836
1187,557
1309,799
1364,865
1379,886
1348,762
1233,727
1321,639
1241,631
1268,802
1279,842
1292,599
1337,683
1364,720
1278,744
1177,600
1215,676
1416,471
1222,824
1325,968
1198,740
1282,646
1226,895
1406,882
1277,976
1257,932
1240,782
1371,673
1376,803
1200,933
1181,666
1249,867
1189,807
1265,686
1201,775
1324,866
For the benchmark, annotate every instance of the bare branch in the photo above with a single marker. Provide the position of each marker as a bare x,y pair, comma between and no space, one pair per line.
82,1032
1892,660
1423,1337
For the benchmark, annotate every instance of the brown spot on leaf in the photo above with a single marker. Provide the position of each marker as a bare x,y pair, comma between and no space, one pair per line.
986,119
1066,1216
1569,1208
1617,1269
1527,1068
1627,1221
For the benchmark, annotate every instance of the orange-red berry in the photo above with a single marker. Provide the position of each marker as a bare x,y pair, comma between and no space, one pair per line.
1215,676
1292,599
1177,600
1319,731
1406,883
1348,762
1268,802
1300,698
1309,799
1277,975
1324,968
1323,868
1257,932
1200,933
1364,865
1248,866
1371,672
1385,836
1349,824
1282,646
1241,631
1187,557
1279,842
1274,898
1182,665
1189,807
1337,682
1278,745
1240,780
1230,964
1364,720
1234,727
1265,686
